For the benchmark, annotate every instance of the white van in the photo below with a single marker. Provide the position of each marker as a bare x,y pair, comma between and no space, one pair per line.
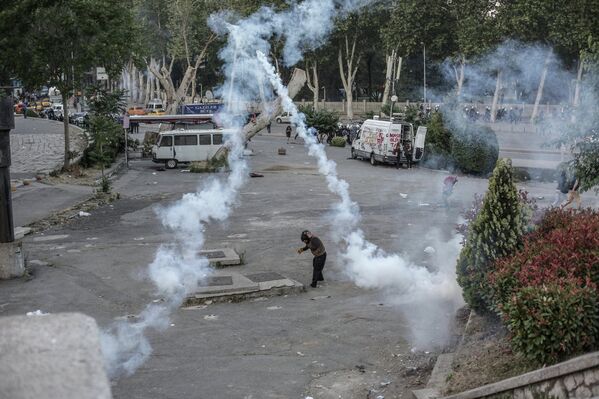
184,146
377,141
285,117
154,105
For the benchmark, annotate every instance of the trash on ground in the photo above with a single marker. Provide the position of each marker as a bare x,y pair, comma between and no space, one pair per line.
153,173
385,383
211,317
36,313
82,214
252,174
429,250
320,297
361,368
402,195
185,170
300,354
424,204
274,308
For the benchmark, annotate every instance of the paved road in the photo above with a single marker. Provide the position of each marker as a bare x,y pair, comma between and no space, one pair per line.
37,145
281,347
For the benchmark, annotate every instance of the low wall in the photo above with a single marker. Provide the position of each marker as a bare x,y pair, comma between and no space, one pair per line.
575,378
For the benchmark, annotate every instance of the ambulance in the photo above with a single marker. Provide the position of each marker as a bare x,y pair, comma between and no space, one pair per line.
377,141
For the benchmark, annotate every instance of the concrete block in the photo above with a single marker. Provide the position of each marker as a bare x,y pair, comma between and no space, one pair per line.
54,356
11,260
426,393
440,372
21,232
222,257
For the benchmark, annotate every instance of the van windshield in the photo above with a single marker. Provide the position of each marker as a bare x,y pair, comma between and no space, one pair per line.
166,141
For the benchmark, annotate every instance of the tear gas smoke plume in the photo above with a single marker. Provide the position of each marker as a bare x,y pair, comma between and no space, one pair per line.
178,267
369,266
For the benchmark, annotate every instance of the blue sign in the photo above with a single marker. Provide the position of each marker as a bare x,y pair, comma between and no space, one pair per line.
200,108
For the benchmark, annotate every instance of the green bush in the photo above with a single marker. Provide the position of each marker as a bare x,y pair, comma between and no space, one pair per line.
474,149
324,121
338,141
496,232
437,149
551,322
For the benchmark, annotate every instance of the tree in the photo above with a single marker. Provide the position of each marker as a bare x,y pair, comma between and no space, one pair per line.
495,233
61,41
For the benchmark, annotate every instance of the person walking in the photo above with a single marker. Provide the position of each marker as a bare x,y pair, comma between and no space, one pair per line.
268,127
24,109
315,245
448,184
288,133
573,194
407,148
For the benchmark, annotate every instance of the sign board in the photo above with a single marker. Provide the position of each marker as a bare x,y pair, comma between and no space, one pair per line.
101,73
200,108
126,123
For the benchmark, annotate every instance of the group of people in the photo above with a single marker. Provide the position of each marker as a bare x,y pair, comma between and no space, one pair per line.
404,149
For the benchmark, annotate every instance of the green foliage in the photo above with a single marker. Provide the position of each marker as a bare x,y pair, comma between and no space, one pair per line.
338,142
474,148
324,121
437,153
551,322
495,233
105,185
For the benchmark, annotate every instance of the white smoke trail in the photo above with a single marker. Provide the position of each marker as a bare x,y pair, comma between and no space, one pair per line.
177,267
370,267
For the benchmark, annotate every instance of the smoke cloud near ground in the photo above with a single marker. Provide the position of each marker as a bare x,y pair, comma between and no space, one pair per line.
178,268
427,296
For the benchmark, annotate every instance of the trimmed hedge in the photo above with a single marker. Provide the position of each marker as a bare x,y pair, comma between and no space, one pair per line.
474,149
551,322
338,141
547,292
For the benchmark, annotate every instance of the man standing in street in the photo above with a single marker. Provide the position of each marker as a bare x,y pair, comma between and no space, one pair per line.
314,244
448,184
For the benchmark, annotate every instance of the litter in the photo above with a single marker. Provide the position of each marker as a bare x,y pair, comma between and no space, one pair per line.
300,354
185,170
36,313
402,195
274,308
423,204
211,317
82,214
153,173
252,174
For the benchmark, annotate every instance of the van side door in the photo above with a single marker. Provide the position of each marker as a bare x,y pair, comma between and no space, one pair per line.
419,143
186,147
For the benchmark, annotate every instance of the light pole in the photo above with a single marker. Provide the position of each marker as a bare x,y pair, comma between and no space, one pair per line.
324,94
424,70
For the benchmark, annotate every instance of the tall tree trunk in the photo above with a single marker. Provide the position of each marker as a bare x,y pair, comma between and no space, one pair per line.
312,82
65,123
576,100
459,74
390,58
148,91
496,97
535,109
347,76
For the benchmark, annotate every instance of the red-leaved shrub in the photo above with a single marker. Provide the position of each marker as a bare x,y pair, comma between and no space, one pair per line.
547,291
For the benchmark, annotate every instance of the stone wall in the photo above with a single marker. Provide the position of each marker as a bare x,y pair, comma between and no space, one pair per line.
575,378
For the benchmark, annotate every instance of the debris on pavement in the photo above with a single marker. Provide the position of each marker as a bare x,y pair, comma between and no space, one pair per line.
37,313
300,354
211,317
253,174
274,308
402,195
84,214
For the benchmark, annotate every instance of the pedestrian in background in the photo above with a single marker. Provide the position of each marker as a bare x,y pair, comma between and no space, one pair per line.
268,128
448,184
288,133
25,109
407,148
315,245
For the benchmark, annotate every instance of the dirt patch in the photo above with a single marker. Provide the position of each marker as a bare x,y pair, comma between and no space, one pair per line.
67,215
484,357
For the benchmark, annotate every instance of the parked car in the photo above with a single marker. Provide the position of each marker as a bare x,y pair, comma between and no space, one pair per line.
157,111
79,118
284,118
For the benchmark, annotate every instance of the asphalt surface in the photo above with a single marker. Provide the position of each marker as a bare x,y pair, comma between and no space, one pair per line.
282,347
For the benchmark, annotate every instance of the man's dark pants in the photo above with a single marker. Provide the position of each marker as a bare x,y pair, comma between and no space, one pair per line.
318,265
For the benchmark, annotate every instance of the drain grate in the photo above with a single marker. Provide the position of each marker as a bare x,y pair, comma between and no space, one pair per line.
216,281
213,254
262,277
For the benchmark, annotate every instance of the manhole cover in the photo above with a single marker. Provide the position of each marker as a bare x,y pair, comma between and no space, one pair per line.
262,277
213,254
214,281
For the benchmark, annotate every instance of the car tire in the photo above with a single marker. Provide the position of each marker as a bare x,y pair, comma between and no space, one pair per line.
279,120
171,164
354,155
372,160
